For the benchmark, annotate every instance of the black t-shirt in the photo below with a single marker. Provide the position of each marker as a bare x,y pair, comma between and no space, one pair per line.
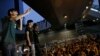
30,35
33,36
8,30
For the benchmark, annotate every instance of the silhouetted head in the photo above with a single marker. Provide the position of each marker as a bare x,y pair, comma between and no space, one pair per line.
13,13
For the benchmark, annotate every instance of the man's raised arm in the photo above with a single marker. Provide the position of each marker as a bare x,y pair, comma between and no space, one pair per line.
24,14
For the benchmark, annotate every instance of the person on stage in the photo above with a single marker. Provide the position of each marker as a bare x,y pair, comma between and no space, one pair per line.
36,40
29,37
8,31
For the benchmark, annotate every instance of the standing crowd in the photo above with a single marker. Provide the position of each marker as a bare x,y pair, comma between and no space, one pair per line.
78,47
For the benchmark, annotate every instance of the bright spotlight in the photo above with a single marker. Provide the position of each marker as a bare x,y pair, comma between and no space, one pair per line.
94,20
83,16
97,19
87,7
65,16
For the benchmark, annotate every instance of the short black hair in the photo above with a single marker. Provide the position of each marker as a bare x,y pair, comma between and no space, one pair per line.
29,21
35,25
10,10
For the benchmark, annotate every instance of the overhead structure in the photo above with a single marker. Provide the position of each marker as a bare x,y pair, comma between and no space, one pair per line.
57,12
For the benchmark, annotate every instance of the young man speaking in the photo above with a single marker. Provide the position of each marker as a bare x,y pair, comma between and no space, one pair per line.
8,31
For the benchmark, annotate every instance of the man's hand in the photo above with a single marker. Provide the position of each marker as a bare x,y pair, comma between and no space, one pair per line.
24,14
28,10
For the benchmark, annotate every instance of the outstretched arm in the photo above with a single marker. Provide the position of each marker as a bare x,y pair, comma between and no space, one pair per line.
24,14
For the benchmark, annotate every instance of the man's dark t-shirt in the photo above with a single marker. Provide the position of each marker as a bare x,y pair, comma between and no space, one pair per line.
8,31
33,36
30,35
